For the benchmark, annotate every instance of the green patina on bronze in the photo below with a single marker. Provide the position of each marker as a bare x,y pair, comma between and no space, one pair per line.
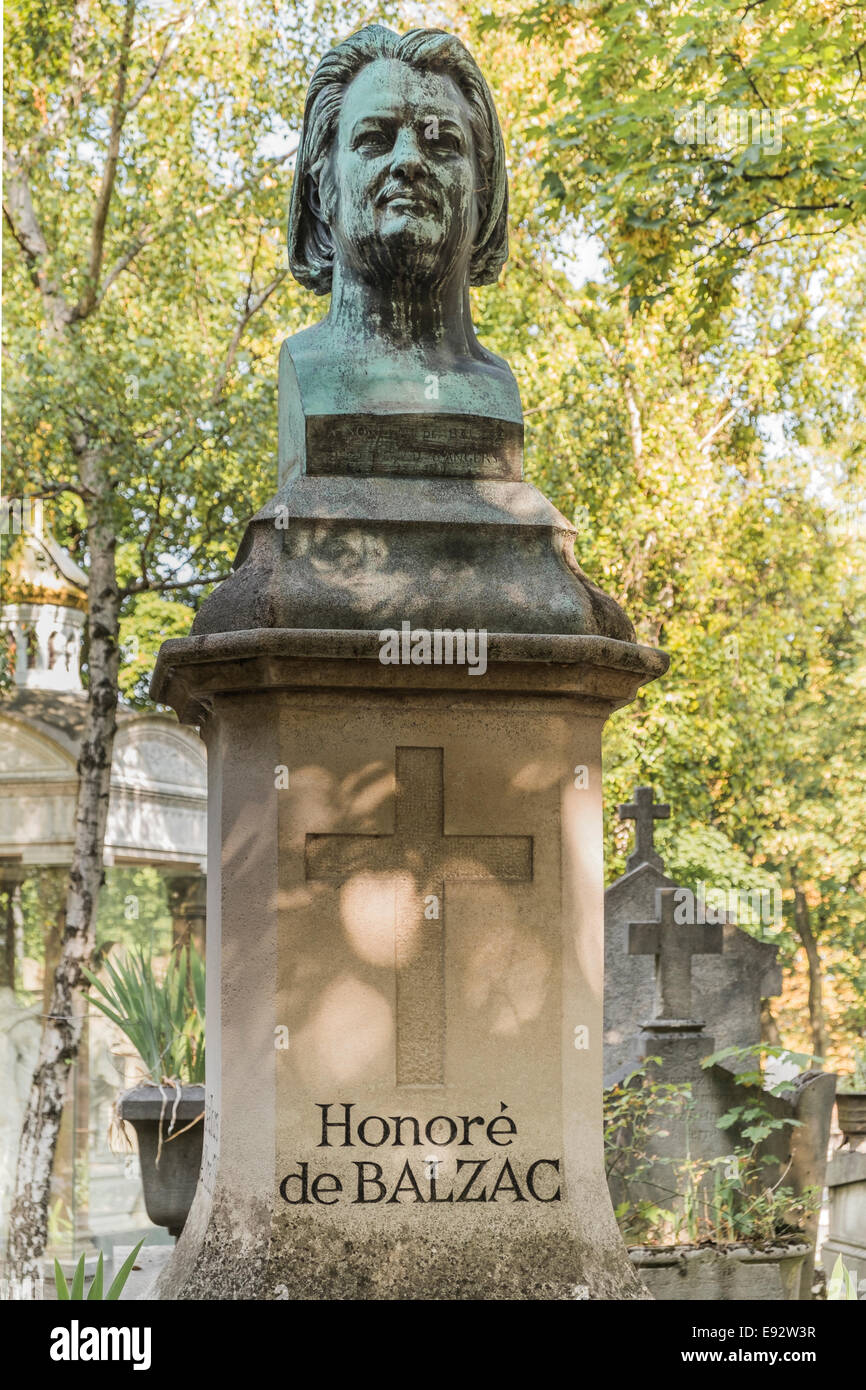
400,202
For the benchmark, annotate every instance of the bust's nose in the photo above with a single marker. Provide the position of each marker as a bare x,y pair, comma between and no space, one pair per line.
407,157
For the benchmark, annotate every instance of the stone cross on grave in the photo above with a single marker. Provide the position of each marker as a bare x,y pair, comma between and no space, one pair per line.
422,858
673,944
643,812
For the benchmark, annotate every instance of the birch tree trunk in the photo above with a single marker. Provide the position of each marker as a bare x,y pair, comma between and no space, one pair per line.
61,1035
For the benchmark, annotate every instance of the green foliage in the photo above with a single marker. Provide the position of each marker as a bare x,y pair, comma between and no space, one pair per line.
60,1224
163,1019
752,1073
42,895
134,910
745,1207
94,1293
167,365
626,144
635,1110
843,1283
149,620
854,1082
726,1199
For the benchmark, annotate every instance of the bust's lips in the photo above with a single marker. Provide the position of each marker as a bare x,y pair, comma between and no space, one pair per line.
405,200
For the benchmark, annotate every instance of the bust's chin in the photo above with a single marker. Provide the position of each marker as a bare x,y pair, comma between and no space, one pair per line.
409,249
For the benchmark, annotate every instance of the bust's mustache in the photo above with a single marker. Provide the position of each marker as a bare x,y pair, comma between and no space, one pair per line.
411,192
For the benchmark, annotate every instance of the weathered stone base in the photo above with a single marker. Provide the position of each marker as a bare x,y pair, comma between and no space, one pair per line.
316,1261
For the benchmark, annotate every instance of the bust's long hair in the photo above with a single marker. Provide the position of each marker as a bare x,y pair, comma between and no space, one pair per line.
311,250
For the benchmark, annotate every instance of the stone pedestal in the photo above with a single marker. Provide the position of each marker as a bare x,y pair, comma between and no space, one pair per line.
405,901
405,964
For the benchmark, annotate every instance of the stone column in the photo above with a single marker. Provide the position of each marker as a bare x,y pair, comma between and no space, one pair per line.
405,908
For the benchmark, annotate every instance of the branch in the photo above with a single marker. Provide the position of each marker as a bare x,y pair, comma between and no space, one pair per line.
615,360
88,300
745,71
140,586
122,262
720,424
76,86
21,215
556,402
153,231
77,39
181,26
251,308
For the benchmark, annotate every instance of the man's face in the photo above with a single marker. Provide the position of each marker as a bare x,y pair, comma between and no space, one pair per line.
398,189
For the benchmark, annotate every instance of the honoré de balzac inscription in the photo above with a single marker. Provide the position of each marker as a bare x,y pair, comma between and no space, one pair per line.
477,1179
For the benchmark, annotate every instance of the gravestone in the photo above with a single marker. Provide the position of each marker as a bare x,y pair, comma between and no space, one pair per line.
672,946
402,689
676,1043
727,990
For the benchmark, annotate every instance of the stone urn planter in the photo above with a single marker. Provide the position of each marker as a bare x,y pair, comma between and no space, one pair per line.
169,1185
851,1112
692,1273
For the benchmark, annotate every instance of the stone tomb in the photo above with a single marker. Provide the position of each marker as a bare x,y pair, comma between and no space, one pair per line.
404,1089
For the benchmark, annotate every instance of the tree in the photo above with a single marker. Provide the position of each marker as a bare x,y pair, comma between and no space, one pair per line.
146,164
692,403
692,137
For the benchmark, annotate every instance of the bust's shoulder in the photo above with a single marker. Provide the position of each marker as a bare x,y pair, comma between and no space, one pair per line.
492,359
308,344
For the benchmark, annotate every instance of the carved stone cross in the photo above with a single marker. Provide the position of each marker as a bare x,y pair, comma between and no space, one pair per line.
643,812
425,859
673,944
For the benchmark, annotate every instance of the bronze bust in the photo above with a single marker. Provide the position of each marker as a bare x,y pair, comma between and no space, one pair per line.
399,204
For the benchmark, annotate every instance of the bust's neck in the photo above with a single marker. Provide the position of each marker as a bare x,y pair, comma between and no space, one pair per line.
435,317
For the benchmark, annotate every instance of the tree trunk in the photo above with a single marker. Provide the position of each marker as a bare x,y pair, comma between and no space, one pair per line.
61,1035
55,925
769,1027
803,925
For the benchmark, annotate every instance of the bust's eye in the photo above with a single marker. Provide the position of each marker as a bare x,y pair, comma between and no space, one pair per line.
373,140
